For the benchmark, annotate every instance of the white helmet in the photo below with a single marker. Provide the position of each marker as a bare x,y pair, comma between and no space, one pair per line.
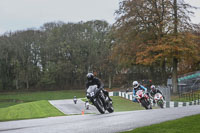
135,84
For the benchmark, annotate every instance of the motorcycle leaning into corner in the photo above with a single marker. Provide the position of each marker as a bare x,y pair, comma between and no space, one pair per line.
144,99
99,99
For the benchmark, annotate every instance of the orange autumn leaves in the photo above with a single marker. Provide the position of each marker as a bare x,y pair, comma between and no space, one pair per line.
182,46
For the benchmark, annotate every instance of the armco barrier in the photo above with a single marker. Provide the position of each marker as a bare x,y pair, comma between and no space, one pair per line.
170,104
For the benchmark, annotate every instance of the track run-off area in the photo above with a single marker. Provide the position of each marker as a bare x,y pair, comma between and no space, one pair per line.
98,123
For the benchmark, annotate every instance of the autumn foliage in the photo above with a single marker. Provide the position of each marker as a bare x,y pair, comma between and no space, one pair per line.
156,33
183,47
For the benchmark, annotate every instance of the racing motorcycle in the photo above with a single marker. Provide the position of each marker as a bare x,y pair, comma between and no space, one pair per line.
159,100
99,99
75,100
143,98
87,105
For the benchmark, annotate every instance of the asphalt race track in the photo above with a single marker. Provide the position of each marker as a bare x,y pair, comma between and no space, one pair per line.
97,123
68,107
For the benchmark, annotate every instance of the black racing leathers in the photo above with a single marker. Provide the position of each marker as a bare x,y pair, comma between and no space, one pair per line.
152,93
96,81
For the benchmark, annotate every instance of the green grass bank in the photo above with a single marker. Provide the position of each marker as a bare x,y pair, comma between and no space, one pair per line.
189,124
37,109
13,98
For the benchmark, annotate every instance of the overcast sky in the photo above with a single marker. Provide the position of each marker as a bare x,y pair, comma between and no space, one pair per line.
23,14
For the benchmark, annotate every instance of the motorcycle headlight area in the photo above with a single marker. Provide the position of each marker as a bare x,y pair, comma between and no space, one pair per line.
91,94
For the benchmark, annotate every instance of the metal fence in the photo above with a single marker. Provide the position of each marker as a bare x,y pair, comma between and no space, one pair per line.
189,96
189,82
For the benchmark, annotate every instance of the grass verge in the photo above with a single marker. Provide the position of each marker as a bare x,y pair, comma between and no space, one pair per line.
37,109
122,104
13,98
188,124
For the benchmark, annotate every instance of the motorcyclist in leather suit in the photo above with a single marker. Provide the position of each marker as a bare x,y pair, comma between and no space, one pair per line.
153,91
92,80
136,87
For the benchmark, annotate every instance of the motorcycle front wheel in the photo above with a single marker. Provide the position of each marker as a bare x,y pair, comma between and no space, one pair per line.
160,103
144,103
110,107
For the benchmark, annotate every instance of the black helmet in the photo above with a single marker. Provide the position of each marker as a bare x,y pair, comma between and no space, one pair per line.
90,76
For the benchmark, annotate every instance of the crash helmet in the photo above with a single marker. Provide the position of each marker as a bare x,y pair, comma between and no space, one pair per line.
153,88
90,76
135,84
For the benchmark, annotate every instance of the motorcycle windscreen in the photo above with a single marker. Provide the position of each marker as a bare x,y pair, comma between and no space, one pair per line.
157,96
139,93
92,89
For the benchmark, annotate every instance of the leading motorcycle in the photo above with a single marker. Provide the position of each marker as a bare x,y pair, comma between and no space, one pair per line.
99,99
143,98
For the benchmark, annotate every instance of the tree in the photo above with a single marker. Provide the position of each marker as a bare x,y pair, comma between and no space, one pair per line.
27,60
149,30
6,63
73,49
